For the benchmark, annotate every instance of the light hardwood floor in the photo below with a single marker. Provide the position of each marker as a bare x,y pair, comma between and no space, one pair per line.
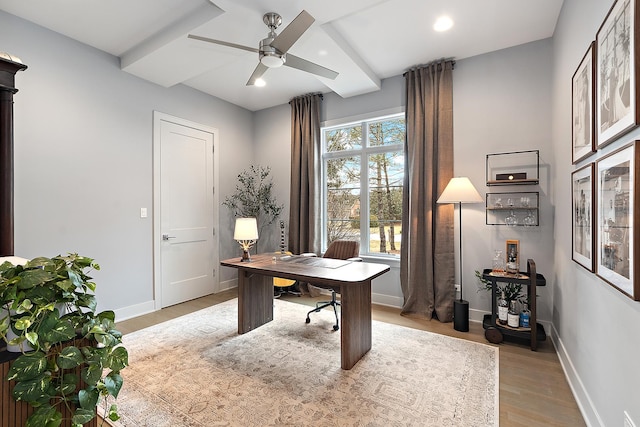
533,388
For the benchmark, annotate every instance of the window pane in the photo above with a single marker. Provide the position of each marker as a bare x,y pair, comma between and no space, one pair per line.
347,138
386,132
343,198
386,173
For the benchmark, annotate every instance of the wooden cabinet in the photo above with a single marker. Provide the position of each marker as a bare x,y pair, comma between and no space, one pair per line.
530,280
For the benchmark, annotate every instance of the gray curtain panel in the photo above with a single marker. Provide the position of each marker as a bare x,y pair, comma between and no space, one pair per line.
304,215
427,259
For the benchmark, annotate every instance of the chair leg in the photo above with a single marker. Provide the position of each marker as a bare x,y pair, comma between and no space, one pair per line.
320,305
286,290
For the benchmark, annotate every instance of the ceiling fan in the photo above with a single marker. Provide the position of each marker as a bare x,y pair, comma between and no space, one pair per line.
273,49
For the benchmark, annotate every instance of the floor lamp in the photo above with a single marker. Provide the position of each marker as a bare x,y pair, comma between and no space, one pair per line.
460,190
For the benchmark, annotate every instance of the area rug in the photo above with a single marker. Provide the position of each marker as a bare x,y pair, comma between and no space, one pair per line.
197,371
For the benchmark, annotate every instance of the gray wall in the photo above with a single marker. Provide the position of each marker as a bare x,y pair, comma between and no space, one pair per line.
83,137
597,327
83,157
501,103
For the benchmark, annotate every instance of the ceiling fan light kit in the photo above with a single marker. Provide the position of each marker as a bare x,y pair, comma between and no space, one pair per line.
272,51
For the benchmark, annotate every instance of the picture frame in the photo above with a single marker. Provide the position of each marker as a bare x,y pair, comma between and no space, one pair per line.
512,250
582,231
583,86
617,211
617,92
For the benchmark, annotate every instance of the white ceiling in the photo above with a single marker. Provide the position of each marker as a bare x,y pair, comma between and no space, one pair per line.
363,40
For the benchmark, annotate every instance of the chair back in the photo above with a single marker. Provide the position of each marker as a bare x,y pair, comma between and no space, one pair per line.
343,249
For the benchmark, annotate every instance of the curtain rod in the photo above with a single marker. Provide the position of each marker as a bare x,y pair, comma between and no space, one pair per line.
438,63
306,95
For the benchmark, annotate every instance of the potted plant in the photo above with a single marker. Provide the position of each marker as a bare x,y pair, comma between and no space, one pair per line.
512,291
76,354
254,197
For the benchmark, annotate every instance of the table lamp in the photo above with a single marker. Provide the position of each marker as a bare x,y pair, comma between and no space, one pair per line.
460,190
246,233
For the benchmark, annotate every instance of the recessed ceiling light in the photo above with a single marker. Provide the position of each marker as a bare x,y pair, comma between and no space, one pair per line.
323,52
260,82
443,23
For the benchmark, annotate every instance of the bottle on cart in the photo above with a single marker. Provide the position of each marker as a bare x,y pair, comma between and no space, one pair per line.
503,309
512,263
525,316
513,317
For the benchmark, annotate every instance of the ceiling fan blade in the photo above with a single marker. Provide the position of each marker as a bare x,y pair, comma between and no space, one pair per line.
310,67
257,73
223,43
292,33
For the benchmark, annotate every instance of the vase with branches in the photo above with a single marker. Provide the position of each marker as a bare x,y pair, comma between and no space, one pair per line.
254,198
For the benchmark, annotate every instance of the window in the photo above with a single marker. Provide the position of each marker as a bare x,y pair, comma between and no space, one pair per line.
362,177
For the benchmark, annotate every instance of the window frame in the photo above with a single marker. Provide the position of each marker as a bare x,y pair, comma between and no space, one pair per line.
364,152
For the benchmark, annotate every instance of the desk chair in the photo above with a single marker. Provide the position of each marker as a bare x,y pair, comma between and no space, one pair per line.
283,286
338,249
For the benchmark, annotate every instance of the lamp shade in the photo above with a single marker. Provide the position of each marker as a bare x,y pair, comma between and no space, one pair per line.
246,229
460,190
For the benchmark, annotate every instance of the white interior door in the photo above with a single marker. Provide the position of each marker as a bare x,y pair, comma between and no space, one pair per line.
186,211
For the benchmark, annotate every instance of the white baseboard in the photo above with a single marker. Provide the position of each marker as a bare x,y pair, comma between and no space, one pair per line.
228,284
387,300
588,410
136,310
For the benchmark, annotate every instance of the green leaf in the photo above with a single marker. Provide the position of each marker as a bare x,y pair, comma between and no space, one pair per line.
63,331
49,322
113,383
92,285
24,306
33,278
68,385
32,337
70,357
108,314
33,390
66,285
44,416
39,262
113,413
88,398
75,279
87,300
27,366
22,323
119,359
92,373
83,416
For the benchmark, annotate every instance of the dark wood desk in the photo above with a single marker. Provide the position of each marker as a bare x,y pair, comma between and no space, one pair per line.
351,279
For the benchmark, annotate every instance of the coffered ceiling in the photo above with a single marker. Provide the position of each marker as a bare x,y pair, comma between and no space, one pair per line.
365,41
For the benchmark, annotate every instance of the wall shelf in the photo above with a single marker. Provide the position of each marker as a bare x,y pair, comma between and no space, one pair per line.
502,208
513,168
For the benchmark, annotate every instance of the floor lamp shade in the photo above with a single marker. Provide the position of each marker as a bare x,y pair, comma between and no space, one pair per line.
460,190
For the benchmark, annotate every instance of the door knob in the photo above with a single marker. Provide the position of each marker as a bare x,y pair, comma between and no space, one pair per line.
167,237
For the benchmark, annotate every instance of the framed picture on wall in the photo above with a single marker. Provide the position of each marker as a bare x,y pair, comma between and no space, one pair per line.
617,93
617,258
582,190
582,106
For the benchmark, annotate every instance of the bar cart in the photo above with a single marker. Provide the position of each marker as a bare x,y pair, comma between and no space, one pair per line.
495,332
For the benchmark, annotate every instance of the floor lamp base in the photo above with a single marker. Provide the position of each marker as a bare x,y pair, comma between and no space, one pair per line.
461,315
